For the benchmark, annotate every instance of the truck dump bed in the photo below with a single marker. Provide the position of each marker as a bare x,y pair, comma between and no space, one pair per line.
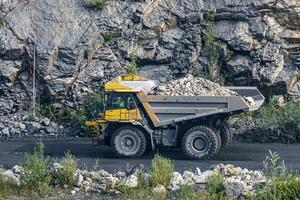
172,109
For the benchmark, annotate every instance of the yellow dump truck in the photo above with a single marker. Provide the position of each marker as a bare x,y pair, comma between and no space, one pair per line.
133,121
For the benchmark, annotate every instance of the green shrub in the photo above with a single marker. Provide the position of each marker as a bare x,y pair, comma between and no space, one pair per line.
281,188
131,68
69,167
210,48
161,170
98,4
215,186
188,192
108,36
284,120
90,109
8,187
272,167
36,176
281,185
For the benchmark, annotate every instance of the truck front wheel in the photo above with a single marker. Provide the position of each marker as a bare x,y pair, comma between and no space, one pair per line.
200,142
128,141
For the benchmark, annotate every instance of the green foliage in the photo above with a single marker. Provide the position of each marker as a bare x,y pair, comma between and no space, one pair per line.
161,170
131,68
272,167
108,36
285,118
8,187
98,4
36,176
188,192
211,49
90,109
69,167
198,73
215,186
280,185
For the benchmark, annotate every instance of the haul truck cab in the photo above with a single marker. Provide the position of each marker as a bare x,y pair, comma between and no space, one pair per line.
133,121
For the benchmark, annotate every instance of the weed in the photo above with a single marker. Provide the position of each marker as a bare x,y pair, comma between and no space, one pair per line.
36,176
188,192
8,187
215,186
211,49
161,170
108,36
98,4
272,168
65,175
281,185
131,68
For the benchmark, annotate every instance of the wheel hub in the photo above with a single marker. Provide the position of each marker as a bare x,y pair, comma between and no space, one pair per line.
199,144
128,143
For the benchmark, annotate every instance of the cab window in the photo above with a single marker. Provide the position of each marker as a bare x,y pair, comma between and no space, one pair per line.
121,101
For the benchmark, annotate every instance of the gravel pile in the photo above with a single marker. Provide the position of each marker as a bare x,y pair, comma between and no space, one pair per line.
192,86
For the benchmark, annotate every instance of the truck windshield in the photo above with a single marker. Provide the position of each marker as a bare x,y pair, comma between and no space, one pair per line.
120,101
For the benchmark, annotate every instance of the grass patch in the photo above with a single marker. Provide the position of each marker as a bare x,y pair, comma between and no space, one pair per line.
36,177
161,170
98,4
69,167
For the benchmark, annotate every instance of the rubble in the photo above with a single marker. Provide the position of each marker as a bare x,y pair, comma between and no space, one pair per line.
193,86
237,181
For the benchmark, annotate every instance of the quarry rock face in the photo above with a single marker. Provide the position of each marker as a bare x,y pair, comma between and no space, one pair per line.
78,48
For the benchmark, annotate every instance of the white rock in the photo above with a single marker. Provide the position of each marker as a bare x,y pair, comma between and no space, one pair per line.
235,188
173,187
198,171
73,192
159,190
176,179
17,169
202,178
131,181
187,174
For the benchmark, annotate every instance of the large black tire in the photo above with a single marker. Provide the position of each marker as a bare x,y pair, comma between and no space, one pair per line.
129,142
200,142
226,136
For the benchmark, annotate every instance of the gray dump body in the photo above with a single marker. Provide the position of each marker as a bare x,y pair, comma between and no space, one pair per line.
172,109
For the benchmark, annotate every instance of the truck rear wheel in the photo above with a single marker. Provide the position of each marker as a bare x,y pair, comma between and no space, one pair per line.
200,142
129,141
226,136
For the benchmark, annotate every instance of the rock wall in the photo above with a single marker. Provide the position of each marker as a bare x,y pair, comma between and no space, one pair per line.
79,48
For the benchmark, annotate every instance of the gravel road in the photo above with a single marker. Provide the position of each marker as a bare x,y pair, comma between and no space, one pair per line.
242,154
